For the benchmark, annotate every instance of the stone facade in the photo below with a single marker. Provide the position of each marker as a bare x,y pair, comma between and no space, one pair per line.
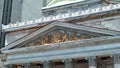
23,10
75,42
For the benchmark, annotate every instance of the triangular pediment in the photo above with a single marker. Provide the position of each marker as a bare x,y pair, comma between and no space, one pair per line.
58,32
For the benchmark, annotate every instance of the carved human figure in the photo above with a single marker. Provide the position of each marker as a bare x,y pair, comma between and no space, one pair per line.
65,37
56,38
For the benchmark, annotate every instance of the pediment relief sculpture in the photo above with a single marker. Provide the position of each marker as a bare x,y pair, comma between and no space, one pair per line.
59,36
59,32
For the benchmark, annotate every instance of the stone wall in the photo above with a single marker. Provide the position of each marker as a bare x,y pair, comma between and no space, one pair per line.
16,10
24,10
10,37
31,9
111,24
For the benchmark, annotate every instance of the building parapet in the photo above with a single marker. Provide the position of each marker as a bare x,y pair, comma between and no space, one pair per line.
60,16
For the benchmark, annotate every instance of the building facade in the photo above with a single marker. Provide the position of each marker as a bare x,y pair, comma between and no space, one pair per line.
13,11
70,34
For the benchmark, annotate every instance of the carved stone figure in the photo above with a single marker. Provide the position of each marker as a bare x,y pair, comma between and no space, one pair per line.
59,36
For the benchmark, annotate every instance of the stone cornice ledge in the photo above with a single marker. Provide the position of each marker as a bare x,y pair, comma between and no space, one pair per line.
65,45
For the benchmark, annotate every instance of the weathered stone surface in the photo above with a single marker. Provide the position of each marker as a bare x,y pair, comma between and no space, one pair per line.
60,25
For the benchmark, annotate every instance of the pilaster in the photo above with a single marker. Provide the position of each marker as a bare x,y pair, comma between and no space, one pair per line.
68,63
46,64
27,65
91,62
116,59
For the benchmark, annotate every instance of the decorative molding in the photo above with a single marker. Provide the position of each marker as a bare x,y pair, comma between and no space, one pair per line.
60,25
65,45
60,16
102,50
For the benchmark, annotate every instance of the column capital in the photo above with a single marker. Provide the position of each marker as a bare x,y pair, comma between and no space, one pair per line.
92,61
46,61
68,59
116,58
27,65
68,63
46,64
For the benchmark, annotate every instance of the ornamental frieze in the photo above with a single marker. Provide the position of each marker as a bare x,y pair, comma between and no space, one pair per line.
59,36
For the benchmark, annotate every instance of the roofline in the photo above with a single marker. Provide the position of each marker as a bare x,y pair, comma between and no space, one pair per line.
68,5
